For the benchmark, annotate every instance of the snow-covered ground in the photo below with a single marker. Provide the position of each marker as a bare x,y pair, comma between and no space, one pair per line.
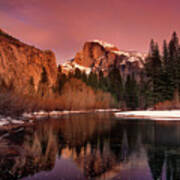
8,120
152,115
107,110
65,112
43,114
51,113
71,66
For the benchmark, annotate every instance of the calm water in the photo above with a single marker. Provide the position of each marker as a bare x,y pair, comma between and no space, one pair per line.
92,146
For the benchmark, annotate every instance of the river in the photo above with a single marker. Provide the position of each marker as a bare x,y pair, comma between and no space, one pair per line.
92,146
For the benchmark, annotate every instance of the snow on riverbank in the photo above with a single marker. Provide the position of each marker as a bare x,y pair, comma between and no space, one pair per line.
152,115
49,114
42,114
8,120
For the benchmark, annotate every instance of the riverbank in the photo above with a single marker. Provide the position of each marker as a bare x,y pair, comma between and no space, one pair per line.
151,115
53,114
7,122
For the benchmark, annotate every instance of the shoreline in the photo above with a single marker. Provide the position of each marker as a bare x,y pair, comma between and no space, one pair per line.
52,114
166,115
25,119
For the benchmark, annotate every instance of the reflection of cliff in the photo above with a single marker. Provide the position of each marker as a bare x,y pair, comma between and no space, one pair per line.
95,146
34,149
26,153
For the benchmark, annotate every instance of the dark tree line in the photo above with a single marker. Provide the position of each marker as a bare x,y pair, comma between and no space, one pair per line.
160,80
163,71
112,83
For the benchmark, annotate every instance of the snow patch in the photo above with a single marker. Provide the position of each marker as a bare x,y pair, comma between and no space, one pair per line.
42,114
132,56
152,115
87,70
8,120
71,66
104,44
107,110
17,122
3,122
119,53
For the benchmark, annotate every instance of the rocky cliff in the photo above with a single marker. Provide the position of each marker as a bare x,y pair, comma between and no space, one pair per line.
97,55
21,64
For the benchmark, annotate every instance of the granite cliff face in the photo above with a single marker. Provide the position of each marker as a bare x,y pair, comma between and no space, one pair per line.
97,55
20,63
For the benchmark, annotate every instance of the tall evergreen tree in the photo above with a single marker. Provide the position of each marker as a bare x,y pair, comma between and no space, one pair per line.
31,85
77,73
92,80
44,76
103,82
165,75
153,70
165,54
84,77
131,92
115,84
60,81
43,88
172,67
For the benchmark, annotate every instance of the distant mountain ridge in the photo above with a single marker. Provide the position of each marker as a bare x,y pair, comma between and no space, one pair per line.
20,63
101,56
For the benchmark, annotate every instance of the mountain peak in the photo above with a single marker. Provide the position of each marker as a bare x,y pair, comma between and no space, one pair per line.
104,44
99,56
4,36
114,49
2,32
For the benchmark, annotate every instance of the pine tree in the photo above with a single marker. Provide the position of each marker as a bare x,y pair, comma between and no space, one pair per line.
31,81
44,76
103,82
165,54
167,73
157,77
153,71
3,85
59,69
173,46
84,77
77,73
178,69
115,84
60,81
172,67
32,85
43,88
131,92
92,80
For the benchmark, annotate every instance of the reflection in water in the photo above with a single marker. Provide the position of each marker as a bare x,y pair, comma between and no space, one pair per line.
92,146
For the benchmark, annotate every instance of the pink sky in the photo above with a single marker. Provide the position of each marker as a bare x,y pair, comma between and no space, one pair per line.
64,25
